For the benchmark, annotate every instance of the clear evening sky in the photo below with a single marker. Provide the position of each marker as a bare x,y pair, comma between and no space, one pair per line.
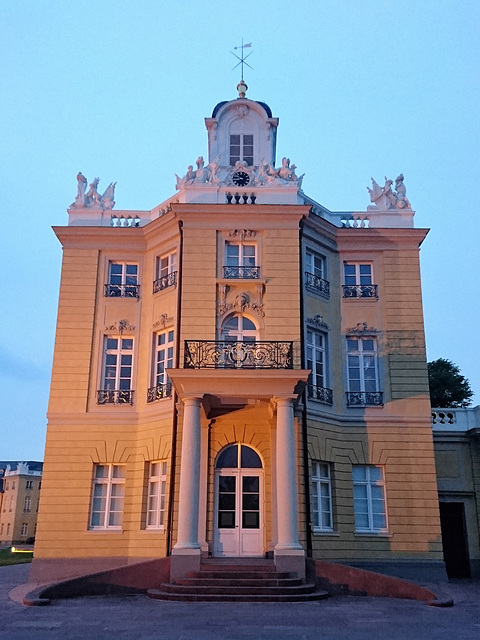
119,89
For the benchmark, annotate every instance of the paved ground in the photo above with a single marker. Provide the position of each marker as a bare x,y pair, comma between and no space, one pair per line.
139,618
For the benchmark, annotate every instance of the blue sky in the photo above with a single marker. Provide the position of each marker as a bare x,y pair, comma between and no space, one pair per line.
119,89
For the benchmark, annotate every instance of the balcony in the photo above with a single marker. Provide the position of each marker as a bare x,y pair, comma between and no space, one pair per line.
217,354
317,284
122,290
115,396
165,282
320,393
246,273
159,392
360,291
364,398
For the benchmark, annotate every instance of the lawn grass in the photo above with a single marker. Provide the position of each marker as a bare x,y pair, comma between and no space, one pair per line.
7,557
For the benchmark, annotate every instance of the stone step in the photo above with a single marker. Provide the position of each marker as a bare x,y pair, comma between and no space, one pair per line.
234,574
237,589
220,597
232,581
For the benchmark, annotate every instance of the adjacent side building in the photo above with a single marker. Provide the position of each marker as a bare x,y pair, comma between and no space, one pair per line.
20,484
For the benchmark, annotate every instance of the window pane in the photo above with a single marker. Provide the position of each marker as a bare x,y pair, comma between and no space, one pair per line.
251,484
250,520
228,458
249,458
359,473
227,484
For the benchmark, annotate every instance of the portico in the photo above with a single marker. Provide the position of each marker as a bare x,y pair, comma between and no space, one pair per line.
204,394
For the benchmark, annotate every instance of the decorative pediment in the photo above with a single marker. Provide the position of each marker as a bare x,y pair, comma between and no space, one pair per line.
229,300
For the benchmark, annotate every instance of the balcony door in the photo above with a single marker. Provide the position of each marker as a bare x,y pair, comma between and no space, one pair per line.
238,511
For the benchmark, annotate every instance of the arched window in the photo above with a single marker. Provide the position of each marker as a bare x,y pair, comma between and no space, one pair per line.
239,328
238,456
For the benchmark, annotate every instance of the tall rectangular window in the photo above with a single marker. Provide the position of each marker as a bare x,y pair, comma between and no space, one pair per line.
241,260
316,361
369,498
122,280
27,505
157,489
166,275
117,371
362,371
24,530
321,496
163,360
107,496
315,273
358,280
241,148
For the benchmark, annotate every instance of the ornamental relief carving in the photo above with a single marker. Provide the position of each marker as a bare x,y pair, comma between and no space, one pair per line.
230,300
164,321
241,234
362,327
121,326
317,322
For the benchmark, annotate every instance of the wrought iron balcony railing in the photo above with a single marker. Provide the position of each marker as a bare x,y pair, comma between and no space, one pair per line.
212,354
164,282
159,392
317,284
364,398
115,396
320,393
360,291
122,290
247,273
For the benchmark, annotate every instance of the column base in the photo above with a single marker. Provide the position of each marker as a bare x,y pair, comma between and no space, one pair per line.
183,561
292,560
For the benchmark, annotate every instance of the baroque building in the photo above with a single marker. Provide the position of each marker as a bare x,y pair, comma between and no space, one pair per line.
239,372
20,484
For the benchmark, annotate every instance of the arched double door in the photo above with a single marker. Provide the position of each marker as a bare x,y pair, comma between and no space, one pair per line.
238,504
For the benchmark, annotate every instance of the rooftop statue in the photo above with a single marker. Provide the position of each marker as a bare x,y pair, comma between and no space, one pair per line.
384,198
92,199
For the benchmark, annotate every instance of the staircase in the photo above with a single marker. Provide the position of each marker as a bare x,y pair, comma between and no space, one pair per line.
220,582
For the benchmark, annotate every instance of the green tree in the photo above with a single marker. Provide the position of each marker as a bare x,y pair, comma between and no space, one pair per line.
448,388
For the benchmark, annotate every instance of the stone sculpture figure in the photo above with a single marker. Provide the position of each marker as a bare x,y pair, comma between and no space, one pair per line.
384,198
81,186
107,199
92,196
201,174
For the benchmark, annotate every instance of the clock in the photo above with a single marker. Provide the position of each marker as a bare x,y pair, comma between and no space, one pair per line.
240,178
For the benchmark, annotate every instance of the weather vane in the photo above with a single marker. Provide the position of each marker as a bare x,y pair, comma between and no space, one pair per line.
244,57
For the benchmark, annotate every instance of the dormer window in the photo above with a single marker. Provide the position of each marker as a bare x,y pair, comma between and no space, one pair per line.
241,148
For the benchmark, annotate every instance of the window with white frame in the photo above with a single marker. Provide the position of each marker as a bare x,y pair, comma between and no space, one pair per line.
157,490
240,260
27,505
163,360
108,494
122,280
241,148
317,362
239,328
315,273
166,272
321,496
29,484
8,528
24,530
358,280
362,365
369,499
117,371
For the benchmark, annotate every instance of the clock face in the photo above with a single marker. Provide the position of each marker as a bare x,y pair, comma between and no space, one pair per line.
240,178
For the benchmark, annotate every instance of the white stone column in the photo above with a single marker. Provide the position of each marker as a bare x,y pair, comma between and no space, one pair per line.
187,536
187,551
289,554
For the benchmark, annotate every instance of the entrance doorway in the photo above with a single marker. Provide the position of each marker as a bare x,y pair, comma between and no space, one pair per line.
238,511
454,538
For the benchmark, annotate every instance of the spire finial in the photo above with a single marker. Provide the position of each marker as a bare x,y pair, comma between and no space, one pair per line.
242,86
